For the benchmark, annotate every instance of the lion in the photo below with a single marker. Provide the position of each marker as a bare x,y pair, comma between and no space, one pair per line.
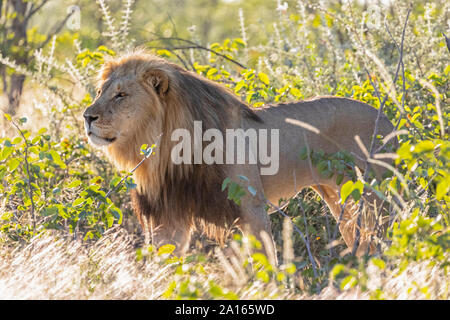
142,96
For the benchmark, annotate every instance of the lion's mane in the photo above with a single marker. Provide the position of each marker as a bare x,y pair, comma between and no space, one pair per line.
185,194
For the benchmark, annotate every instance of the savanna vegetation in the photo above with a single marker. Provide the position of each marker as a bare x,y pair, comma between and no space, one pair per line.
67,230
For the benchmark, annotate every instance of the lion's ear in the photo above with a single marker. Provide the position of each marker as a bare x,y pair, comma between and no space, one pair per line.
156,79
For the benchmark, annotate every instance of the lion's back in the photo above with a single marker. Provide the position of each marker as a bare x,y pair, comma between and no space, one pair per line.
327,113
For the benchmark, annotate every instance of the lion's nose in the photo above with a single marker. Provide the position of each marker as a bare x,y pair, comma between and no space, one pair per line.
90,118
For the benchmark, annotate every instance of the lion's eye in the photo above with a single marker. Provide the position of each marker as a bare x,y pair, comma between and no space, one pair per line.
120,95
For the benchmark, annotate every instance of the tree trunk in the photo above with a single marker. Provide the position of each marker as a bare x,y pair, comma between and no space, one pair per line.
15,92
19,29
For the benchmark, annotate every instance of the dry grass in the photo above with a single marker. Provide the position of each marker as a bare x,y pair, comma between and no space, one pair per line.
54,268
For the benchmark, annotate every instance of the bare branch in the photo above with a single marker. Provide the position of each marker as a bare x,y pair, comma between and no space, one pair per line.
373,141
150,152
192,45
33,9
27,167
57,28
302,236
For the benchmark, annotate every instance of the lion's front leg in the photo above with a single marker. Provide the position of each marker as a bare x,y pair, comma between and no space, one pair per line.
159,231
254,219
160,235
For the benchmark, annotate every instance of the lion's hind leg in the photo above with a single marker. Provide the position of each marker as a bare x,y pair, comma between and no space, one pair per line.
347,215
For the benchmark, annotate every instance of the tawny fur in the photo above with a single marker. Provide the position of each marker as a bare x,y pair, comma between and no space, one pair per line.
176,199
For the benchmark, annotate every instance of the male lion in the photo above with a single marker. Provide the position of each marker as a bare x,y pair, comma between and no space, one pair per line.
141,96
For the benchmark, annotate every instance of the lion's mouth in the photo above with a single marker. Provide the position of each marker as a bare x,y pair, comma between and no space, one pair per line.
102,141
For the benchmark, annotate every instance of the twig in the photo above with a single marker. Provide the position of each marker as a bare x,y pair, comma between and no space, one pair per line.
341,214
193,45
319,186
57,29
149,152
179,58
302,236
400,51
30,191
33,9
372,144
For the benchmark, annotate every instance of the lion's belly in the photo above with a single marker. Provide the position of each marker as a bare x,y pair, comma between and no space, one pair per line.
289,180
294,174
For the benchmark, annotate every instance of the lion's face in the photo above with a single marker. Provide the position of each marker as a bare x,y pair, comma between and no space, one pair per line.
125,102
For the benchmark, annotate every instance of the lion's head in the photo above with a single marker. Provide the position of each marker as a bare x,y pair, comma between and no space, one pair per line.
141,96
130,96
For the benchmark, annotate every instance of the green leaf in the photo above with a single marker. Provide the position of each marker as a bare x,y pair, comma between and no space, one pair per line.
129,183
232,189
215,46
164,53
239,86
339,178
359,185
78,202
96,180
264,78
170,289
379,263
290,268
225,183
89,235
13,163
57,159
17,140
144,148
322,166
304,153
117,213
356,195
166,249
348,283
243,177
35,140
74,184
6,152
424,146
346,189
357,191
114,181
442,188
295,92
211,72
6,216
337,269
49,211
109,220
239,42
251,190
